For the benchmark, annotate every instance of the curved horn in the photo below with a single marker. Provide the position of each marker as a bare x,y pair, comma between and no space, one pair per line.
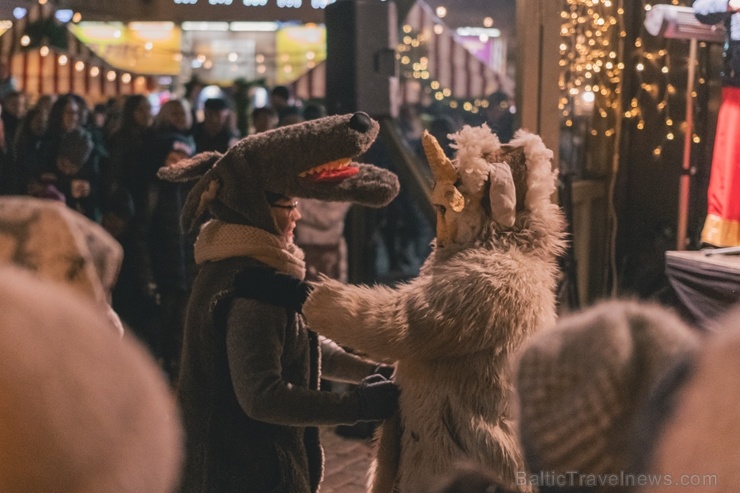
442,169
455,199
443,172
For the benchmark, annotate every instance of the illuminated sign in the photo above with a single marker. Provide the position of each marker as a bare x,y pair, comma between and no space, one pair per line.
178,11
299,49
316,4
141,47
479,31
253,10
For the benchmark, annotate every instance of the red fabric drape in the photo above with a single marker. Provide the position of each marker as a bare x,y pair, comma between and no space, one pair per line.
722,226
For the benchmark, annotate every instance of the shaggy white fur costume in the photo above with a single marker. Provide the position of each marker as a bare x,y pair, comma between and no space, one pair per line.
452,330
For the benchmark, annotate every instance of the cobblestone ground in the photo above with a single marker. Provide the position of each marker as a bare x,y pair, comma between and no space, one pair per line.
346,464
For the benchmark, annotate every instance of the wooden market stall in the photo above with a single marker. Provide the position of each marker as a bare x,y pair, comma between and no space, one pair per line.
432,59
45,57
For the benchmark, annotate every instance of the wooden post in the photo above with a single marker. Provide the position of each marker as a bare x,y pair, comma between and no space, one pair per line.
537,92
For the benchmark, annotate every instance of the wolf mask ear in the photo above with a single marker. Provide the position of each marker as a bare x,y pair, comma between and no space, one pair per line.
189,169
502,195
203,193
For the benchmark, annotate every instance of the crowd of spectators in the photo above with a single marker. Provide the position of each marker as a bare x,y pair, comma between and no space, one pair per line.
101,160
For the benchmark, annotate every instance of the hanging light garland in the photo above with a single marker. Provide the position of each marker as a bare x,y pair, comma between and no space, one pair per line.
596,58
48,32
658,105
590,63
412,55
592,70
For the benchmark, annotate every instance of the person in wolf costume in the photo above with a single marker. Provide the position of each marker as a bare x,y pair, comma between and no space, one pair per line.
250,369
488,284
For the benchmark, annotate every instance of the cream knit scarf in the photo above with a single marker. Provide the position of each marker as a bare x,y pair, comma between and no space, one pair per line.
219,240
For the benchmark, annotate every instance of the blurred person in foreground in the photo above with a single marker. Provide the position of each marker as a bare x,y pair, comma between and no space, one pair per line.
84,409
58,244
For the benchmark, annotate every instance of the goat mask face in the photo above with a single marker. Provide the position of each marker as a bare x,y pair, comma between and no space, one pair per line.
487,184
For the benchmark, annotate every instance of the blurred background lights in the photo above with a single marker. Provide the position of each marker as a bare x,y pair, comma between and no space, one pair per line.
64,15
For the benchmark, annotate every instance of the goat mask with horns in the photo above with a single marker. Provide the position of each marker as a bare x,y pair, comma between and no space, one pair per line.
489,184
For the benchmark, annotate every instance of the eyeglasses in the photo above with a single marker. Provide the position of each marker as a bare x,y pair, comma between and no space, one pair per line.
290,207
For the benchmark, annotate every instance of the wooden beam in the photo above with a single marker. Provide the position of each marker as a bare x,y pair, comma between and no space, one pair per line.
537,92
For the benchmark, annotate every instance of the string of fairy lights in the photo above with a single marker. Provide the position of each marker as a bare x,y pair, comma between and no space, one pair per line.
46,35
591,68
595,61
412,54
659,61
592,35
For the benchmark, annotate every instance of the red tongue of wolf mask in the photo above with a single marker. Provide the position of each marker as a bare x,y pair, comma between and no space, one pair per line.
313,159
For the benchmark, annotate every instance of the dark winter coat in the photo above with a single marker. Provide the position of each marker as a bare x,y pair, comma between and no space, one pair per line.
80,188
219,142
163,251
128,149
248,390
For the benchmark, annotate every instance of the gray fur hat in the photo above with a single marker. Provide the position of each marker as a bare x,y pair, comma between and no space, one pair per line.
582,384
57,243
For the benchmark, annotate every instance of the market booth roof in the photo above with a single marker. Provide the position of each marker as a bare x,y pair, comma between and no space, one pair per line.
433,63
45,57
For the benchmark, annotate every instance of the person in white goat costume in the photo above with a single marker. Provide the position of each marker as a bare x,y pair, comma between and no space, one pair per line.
488,284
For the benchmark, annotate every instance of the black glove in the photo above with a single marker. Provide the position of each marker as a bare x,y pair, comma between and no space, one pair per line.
385,370
378,398
270,286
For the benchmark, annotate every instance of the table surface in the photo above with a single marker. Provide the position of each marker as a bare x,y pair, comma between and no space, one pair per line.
727,262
